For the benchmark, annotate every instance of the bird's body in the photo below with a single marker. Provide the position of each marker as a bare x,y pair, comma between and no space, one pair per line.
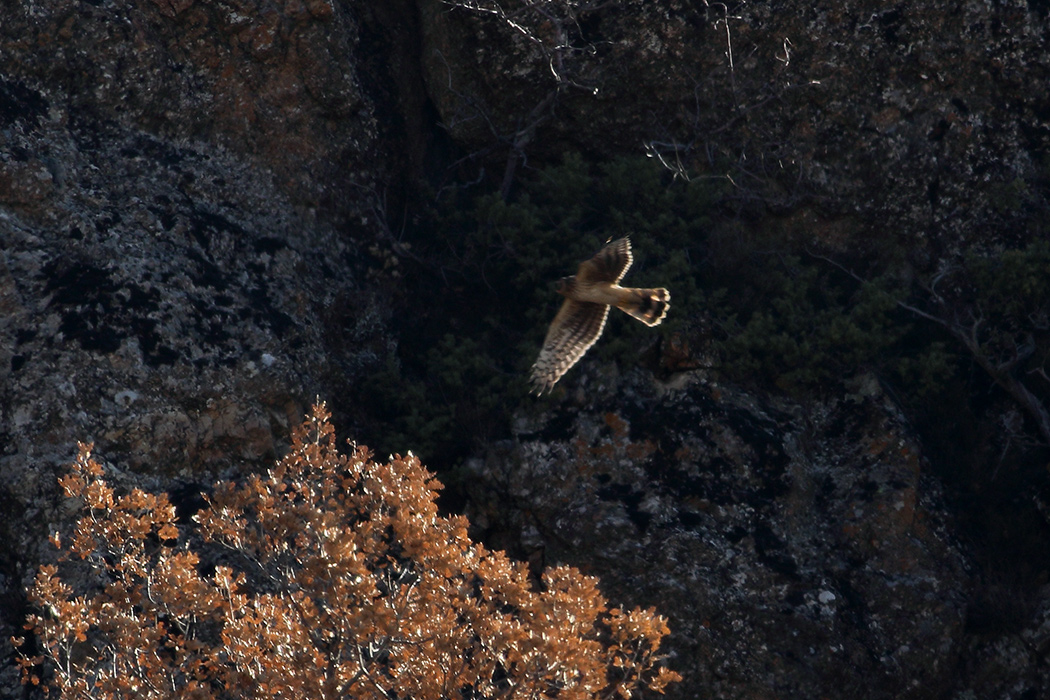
647,305
588,295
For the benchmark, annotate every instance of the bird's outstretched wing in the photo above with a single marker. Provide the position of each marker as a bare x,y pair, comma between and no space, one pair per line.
609,264
573,331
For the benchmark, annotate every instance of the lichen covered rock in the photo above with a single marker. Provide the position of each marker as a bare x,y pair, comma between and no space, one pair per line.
798,550
173,180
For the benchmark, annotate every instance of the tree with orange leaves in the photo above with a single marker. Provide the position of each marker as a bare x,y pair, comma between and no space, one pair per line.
330,576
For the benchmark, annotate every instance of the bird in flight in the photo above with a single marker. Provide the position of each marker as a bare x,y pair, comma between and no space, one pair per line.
588,295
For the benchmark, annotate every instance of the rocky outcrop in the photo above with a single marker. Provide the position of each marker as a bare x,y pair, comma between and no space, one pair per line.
176,282
799,551
275,82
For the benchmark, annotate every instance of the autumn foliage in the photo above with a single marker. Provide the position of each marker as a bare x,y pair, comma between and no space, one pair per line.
330,576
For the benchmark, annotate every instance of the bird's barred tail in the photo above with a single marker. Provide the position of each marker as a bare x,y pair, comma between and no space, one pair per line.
647,305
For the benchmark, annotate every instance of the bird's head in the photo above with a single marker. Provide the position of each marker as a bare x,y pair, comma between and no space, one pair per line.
565,285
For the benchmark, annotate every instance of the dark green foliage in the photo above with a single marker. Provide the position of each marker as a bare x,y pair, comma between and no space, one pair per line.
1014,287
928,370
756,307
1008,197
811,326
806,322
473,317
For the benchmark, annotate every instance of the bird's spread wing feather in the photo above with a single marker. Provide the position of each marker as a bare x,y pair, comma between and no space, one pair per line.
610,264
573,331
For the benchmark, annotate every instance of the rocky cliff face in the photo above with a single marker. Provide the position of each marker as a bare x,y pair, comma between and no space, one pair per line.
799,550
173,191
854,121
188,192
